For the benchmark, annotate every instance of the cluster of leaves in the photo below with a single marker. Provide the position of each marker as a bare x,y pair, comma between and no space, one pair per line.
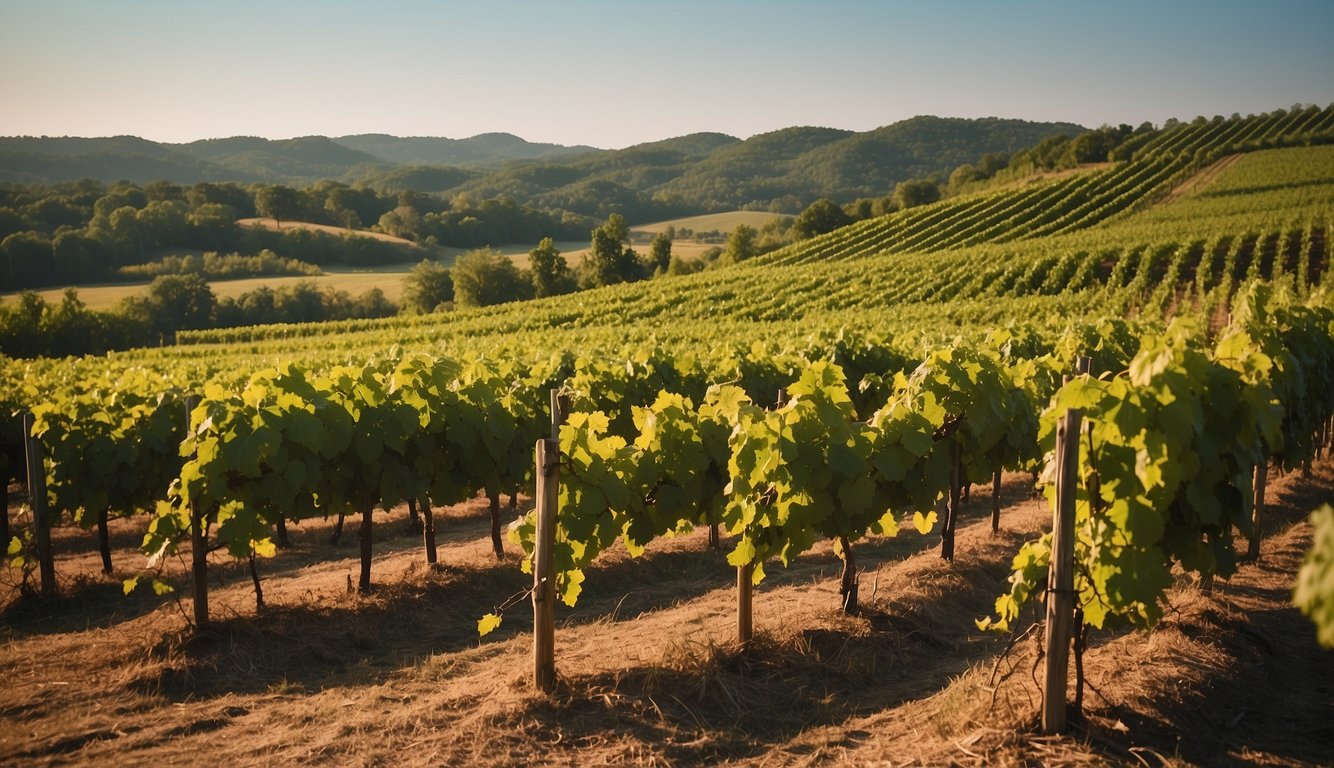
1314,593
666,479
1167,460
808,471
779,480
295,443
971,399
1274,342
110,445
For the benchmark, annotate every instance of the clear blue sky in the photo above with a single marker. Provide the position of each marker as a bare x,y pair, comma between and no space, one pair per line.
611,74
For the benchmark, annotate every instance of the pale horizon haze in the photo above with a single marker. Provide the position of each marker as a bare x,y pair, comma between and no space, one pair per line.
611,75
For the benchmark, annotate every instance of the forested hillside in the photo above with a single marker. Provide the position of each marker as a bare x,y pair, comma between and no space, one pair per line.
784,170
481,151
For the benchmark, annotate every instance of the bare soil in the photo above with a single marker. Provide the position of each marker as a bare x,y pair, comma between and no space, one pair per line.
649,672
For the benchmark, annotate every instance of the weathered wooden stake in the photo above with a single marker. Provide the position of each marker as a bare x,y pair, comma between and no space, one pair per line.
1259,481
952,511
995,501
547,497
744,594
366,531
428,531
1061,572
104,540
1060,578
544,584
497,544
41,522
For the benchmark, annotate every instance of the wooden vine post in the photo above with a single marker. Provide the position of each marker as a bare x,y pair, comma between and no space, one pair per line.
950,520
547,496
428,531
1061,572
995,501
745,628
1258,482
745,580
198,544
41,521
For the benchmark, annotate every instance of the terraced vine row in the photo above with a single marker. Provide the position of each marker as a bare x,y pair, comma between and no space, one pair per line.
1074,203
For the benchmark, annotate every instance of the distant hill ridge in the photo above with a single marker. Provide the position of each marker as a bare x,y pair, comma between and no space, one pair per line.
486,149
702,172
783,170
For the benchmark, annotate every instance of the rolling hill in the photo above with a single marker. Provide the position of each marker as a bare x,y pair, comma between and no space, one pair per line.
41,160
782,170
483,150
30,159
306,157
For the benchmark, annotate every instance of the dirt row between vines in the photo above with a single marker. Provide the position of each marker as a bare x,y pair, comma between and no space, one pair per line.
649,673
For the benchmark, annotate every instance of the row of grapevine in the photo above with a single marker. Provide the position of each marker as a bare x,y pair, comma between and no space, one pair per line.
777,480
1175,435
1077,202
1170,459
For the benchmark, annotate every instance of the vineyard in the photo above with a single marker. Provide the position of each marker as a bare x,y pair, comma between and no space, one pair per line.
825,476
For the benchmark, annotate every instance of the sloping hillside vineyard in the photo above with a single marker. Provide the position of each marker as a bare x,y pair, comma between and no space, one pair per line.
850,385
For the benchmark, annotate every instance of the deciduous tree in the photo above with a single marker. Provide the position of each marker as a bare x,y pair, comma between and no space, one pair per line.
742,244
551,273
914,192
277,202
660,252
608,261
427,286
486,276
821,216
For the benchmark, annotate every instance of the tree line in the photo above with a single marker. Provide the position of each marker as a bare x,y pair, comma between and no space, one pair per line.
30,326
86,231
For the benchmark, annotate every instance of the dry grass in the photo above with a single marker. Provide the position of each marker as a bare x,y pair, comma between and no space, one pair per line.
712,222
275,226
649,674
387,278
